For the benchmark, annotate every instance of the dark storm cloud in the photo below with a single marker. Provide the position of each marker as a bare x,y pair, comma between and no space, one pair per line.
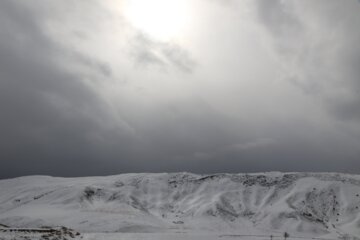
50,117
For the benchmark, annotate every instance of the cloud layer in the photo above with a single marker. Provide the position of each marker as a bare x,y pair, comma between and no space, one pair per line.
250,86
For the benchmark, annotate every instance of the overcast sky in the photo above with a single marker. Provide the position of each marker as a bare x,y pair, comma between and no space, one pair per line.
104,87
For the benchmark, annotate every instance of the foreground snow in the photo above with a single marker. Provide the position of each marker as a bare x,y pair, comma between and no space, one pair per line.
173,236
187,206
139,236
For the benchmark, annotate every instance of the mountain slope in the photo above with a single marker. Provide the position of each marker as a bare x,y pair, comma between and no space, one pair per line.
306,204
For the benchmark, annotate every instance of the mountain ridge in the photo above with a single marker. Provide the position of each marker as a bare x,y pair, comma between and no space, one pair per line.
307,204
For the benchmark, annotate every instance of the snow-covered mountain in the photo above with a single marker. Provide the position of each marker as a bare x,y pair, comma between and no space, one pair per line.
303,204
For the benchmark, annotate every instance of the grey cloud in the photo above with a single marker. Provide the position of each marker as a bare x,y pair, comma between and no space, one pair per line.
233,148
346,109
308,87
346,105
91,63
179,57
280,18
147,51
319,62
224,3
258,143
289,39
285,155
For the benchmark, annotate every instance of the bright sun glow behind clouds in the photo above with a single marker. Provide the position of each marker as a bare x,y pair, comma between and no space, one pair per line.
160,19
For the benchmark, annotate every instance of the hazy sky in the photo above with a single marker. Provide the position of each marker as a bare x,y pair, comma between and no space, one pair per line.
104,87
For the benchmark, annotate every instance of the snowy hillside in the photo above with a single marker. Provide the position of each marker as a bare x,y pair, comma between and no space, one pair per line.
303,204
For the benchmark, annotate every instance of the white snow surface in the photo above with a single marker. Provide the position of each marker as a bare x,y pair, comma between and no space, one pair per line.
303,204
